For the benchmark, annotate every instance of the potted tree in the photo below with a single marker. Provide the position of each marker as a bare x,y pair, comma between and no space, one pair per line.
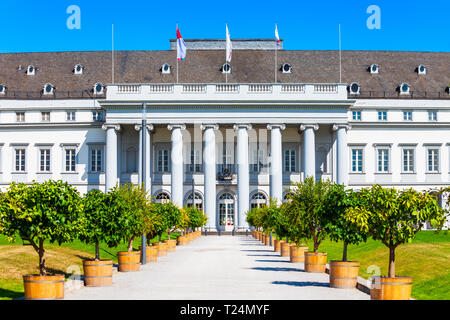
183,225
171,216
37,213
278,222
343,273
155,226
304,211
394,217
196,219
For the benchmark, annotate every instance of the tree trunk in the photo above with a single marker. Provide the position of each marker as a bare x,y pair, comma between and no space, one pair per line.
168,235
392,262
97,251
344,253
159,238
130,244
42,270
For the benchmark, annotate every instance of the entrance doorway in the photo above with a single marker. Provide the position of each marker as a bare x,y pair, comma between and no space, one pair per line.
226,212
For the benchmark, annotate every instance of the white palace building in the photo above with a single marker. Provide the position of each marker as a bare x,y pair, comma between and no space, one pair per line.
226,137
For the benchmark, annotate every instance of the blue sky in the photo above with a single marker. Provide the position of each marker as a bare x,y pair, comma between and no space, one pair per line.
39,26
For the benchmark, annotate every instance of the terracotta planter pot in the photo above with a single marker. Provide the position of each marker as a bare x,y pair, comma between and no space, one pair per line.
171,244
285,250
277,245
385,288
129,261
97,273
267,240
181,241
297,254
50,287
162,248
315,261
344,274
151,254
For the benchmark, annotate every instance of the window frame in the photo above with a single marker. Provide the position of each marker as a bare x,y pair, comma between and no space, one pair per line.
24,160
434,112
383,147
407,115
40,149
358,114
22,115
292,162
402,160
45,116
427,164
92,148
72,117
383,114
359,148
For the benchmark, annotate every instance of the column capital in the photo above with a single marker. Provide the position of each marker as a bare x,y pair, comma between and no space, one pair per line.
138,127
205,126
114,126
305,126
246,126
176,126
336,127
280,126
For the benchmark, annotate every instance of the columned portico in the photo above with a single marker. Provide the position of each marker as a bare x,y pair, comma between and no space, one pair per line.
309,149
177,163
111,171
243,177
209,165
276,171
342,153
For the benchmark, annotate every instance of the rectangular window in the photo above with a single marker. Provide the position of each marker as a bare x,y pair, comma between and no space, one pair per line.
408,160
96,160
357,160
227,159
20,116
407,115
97,116
289,160
433,160
432,115
256,162
70,116
383,160
356,115
44,160
382,115
20,160
196,165
163,160
45,116
70,160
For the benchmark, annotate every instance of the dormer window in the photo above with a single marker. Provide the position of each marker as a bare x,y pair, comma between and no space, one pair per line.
354,88
404,88
226,68
448,90
2,89
98,88
374,69
286,68
78,69
165,68
422,70
48,88
31,70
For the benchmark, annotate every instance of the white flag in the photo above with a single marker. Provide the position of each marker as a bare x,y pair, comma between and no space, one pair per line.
229,47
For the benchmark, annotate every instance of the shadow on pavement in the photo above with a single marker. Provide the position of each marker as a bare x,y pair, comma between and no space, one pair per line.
272,260
276,269
302,284
258,250
262,255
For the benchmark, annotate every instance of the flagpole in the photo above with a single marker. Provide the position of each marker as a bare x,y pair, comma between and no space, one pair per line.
340,56
112,53
177,55
276,58
226,73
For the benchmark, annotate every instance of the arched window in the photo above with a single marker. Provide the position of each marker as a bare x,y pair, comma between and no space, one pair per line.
286,197
258,200
131,159
198,200
162,197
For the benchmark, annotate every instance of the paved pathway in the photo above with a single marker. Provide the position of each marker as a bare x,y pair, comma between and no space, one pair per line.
219,267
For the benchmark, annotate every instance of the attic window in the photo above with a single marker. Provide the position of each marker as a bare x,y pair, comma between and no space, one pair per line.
286,68
165,68
422,70
354,88
404,88
48,88
374,69
98,88
226,68
31,70
2,89
78,69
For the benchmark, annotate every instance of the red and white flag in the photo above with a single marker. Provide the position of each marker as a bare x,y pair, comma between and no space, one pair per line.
181,46
229,47
277,36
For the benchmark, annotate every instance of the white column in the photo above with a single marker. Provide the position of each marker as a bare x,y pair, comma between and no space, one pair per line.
177,163
309,149
209,165
148,166
341,153
243,176
276,170
111,155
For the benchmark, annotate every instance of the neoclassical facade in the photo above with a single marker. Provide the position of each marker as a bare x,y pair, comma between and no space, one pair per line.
225,144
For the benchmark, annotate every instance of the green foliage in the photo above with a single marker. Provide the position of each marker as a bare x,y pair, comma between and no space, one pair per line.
196,217
41,211
166,217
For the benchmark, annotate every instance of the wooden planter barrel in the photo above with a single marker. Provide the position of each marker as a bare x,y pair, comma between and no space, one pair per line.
267,240
50,287
285,250
97,273
277,245
171,244
181,241
385,288
344,274
129,261
315,261
151,254
162,248
297,254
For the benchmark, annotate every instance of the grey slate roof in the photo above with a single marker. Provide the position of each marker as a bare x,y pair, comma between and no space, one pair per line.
248,66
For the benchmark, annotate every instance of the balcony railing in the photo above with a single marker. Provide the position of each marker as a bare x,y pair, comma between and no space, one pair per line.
397,95
57,94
